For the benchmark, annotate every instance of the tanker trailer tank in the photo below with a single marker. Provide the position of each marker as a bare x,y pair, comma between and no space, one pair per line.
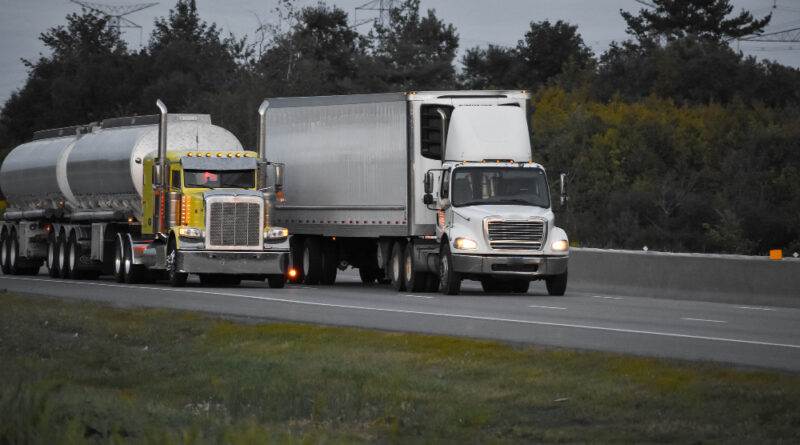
116,198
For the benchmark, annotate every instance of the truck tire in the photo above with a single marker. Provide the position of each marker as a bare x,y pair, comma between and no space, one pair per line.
119,259
556,284
296,249
413,281
61,248
175,278
52,255
449,280
4,244
329,262
276,281
73,255
396,266
312,261
134,273
13,254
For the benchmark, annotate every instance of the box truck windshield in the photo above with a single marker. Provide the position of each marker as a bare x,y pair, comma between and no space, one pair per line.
216,178
500,185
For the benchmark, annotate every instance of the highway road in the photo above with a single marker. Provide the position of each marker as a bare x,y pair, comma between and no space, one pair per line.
740,335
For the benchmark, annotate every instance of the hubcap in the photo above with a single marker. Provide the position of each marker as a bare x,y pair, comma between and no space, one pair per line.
306,259
118,259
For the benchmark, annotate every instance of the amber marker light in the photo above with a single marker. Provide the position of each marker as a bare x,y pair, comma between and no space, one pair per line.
238,155
292,273
208,155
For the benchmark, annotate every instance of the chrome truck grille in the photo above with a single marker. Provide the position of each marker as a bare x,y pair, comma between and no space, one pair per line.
515,234
234,223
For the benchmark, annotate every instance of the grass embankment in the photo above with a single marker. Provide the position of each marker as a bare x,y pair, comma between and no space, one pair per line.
79,372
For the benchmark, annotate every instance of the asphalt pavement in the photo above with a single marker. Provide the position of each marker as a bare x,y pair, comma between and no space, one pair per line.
750,336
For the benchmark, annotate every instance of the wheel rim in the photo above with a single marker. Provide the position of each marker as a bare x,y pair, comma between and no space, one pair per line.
4,252
409,270
73,256
127,262
395,268
443,271
306,259
51,254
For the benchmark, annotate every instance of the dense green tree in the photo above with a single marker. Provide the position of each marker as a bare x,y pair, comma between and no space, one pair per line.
86,76
706,19
545,52
413,52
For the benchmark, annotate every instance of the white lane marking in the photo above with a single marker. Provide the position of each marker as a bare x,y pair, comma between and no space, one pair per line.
607,297
753,308
547,307
434,314
703,319
419,296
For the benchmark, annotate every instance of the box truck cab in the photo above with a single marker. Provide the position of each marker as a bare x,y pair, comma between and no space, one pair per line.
494,219
419,189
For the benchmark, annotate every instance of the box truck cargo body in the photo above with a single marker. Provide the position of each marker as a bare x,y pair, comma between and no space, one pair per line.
368,183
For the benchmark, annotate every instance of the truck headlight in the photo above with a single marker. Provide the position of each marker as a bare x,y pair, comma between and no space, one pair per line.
190,232
276,234
559,245
466,243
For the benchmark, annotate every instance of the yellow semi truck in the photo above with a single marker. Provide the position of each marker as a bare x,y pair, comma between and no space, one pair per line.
122,198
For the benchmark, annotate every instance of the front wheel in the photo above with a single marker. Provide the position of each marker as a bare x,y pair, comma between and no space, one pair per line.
556,284
449,280
176,278
396,267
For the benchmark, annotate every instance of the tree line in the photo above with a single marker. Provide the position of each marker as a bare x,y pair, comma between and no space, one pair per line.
671,138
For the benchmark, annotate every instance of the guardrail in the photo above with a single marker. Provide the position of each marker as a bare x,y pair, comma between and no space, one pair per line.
735,279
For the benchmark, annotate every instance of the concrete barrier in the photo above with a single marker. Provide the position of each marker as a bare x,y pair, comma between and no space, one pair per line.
721,278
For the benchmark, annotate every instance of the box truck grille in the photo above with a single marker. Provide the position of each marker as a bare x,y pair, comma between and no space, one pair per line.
235,224
515,235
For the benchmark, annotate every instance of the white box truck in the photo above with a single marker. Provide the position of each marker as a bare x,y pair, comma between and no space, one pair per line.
419,189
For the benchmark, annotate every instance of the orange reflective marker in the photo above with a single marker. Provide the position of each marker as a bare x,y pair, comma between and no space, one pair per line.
775,254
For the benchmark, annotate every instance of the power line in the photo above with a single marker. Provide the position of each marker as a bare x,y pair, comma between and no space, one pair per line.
116,14
382,6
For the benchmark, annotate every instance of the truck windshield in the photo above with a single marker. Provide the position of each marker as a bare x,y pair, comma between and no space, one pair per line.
500,185
219,178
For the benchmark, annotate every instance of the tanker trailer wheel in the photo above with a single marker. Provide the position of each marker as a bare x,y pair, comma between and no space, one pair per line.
61,252
176,279
449,280
13,254
312,261
412,280
556,284
73,257
52,255
119,259
134,273
4,242
396,266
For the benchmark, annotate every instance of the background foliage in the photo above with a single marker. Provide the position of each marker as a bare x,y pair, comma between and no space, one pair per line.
671,139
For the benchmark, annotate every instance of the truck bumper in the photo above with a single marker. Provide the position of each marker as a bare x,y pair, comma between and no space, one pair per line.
520,266
234,262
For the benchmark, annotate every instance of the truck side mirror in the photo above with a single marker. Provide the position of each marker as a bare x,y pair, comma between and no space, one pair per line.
429,182
156,174
562,186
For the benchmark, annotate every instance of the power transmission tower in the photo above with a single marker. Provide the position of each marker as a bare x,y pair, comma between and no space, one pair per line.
382,6
787,35
116,14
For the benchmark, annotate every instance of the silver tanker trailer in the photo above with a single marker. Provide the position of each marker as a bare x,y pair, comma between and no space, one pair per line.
121,198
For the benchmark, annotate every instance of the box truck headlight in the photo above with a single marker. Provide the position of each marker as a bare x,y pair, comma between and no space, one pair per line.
276,234
190,232
559,245
466,243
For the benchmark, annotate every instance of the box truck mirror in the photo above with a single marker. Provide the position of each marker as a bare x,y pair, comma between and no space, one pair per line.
562,186
429,183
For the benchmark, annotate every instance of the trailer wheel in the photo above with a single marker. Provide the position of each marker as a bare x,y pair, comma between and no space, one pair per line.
13,254
449,280
329,262
176,279
414,281
312,261
52,256
134,273
396,266
119,259
276,281
4,244
556,284
73,255
61,252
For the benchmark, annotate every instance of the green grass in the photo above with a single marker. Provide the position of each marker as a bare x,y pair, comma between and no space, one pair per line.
88,373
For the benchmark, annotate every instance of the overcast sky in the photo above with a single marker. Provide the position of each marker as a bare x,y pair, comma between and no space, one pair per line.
478,23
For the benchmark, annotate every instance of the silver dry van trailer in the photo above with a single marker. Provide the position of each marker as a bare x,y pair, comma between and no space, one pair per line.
421,189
